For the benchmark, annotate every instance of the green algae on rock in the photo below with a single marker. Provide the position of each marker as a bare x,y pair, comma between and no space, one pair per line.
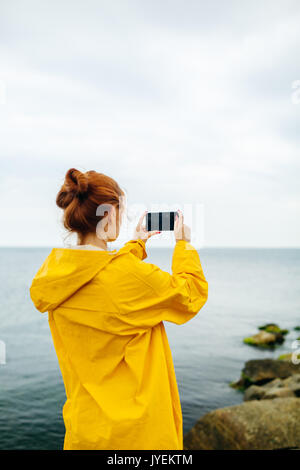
262,371
264,339
287,357
273,328
269,336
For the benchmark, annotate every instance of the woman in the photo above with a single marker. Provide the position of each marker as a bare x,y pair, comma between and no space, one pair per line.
106,311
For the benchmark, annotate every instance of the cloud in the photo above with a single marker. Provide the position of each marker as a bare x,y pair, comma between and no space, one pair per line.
176,101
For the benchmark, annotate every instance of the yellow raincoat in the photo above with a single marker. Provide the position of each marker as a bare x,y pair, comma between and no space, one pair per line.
106,312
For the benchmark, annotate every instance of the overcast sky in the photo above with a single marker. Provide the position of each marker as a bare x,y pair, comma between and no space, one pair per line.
183,102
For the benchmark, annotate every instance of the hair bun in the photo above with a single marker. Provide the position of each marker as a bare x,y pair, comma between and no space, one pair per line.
75,185
77,182
80,196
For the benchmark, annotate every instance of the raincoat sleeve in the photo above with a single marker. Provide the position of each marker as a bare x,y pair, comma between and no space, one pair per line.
136,247
175,297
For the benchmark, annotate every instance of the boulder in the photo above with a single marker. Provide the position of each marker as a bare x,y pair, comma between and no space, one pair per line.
278,392
262,339
252,425
278,388
273,328
261,371
289,357
270,335
254,392
293,383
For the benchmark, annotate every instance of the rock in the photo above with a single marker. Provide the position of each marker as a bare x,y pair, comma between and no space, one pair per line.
254,392
252,425
264,339
258,392
269,336
287,357
275,389
278,392
261,371
273,328
293,383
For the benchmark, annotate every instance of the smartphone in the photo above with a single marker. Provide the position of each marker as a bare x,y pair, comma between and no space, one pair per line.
162,221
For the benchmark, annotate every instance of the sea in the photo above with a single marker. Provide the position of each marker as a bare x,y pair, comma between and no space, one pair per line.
247,288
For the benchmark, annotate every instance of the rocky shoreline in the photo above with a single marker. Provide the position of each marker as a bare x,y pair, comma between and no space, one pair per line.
269,417
259,372
253,425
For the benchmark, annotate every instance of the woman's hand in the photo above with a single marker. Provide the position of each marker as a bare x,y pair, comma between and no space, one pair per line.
140,232
181,231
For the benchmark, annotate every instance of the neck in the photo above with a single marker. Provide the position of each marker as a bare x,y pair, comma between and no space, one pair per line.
92,239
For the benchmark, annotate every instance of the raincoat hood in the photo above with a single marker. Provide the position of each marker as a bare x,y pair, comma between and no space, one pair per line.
63,273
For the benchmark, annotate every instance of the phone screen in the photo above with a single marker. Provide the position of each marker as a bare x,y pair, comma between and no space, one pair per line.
162,221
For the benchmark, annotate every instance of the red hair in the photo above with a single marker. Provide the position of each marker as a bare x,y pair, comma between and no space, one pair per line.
80,196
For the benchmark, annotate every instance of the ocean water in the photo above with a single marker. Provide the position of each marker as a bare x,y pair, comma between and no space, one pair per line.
247,287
